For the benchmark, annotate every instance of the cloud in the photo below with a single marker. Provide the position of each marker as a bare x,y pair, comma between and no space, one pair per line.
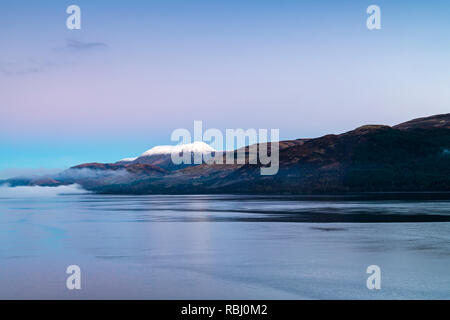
27,172
87,173
34,66
37,191
22,68
76,45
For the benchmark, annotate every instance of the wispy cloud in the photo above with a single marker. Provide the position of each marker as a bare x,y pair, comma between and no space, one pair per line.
76,45
34,66
22,68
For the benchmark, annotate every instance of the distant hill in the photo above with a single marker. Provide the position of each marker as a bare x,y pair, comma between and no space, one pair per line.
412,156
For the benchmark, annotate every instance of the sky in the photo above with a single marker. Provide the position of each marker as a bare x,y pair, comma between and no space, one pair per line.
137,70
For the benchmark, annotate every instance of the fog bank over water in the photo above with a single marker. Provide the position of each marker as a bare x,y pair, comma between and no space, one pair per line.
28,172
38,191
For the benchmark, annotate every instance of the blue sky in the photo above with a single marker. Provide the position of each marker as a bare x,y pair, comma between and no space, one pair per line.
137,70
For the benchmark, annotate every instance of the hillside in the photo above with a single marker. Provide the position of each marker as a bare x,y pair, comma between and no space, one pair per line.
412,156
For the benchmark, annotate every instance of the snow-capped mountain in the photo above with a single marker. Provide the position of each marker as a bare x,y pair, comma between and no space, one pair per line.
196,147
161,156
370,158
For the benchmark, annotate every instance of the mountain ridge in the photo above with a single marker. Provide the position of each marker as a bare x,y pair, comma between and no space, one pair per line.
411,156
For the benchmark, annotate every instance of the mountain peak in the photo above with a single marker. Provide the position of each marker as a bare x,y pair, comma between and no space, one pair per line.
196,147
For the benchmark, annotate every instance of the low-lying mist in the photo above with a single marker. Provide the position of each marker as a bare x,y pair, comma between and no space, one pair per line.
87,173
37,191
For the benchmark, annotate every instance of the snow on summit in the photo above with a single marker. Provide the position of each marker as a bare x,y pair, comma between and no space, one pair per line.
196,147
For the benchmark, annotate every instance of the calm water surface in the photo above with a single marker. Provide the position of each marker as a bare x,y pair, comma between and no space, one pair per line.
222,247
